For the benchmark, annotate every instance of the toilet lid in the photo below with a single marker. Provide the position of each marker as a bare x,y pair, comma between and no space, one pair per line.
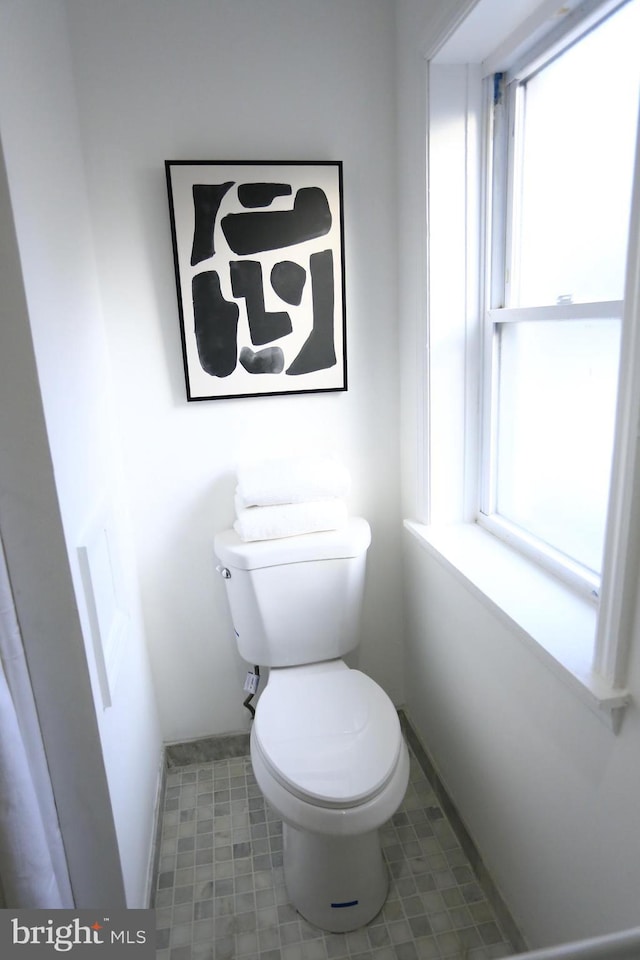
331,738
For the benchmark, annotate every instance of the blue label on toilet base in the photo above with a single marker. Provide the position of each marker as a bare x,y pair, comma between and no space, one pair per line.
347,903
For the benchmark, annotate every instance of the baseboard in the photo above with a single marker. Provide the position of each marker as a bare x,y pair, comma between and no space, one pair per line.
464,837
154,858
206,749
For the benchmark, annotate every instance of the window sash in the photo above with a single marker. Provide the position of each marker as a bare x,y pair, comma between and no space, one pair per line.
504,180
596,310
575,574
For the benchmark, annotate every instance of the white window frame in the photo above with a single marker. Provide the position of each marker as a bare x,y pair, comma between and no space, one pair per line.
504,95
586,646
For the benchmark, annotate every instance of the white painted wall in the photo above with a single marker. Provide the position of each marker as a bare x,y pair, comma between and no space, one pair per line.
216,79
77,464
548,792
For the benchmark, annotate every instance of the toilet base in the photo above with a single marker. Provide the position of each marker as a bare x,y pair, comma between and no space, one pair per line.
336,883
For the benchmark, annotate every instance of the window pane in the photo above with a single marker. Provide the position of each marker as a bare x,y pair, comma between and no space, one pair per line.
578,142
557,383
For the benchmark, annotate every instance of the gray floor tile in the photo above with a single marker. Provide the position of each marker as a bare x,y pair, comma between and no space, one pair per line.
220,891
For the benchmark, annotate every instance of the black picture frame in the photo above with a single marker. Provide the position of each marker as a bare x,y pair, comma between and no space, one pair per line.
259,265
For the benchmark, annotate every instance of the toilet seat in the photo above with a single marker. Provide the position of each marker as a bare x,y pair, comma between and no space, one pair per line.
329,735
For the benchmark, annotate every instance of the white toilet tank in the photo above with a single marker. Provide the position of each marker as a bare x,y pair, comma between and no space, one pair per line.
295,600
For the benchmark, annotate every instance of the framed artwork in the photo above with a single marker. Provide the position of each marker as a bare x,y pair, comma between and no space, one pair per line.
259,264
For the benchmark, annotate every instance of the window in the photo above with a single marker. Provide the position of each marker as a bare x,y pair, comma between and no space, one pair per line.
561,161
531,376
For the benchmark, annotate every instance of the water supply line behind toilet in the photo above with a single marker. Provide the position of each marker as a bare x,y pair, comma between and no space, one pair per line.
251,686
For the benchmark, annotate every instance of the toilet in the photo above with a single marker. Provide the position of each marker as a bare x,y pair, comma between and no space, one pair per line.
326,745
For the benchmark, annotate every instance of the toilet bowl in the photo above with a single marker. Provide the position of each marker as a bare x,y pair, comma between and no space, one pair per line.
326,745
329,757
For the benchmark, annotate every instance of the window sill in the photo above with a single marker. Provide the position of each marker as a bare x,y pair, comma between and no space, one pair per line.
554,622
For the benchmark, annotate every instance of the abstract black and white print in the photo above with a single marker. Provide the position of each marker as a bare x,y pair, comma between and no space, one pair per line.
260,276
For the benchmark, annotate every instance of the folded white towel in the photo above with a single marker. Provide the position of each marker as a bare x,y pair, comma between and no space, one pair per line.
290,519
292,480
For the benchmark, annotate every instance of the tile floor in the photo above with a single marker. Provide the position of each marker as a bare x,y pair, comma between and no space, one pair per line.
220,888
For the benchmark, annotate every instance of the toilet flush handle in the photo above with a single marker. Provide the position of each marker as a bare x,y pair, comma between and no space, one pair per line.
224,572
